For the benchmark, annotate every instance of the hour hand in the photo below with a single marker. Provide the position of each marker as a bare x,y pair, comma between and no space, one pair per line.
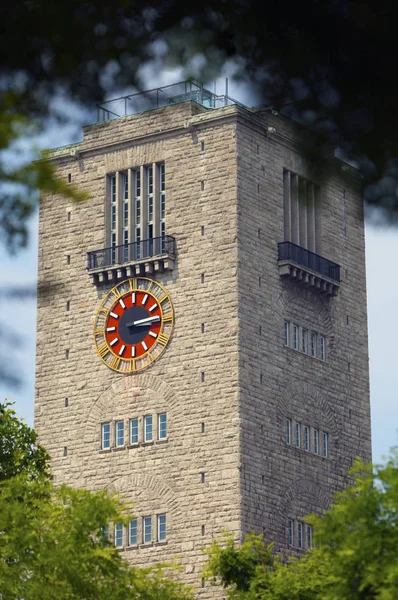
143,322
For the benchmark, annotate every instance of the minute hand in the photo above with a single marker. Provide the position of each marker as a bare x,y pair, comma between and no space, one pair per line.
145,321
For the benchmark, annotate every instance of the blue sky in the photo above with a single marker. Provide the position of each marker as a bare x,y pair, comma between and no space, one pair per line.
19,316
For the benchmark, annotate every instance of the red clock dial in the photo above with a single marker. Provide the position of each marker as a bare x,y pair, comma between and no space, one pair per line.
134,324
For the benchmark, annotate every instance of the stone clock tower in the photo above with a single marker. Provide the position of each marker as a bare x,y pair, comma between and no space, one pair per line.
202,326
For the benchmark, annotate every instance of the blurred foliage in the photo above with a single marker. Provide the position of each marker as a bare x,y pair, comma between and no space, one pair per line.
19,450
354,556
20,182
52,539
326,63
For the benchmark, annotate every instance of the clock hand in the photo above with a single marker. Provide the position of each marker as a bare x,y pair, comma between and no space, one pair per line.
142,322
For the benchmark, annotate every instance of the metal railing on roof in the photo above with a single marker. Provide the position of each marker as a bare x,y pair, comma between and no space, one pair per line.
159,97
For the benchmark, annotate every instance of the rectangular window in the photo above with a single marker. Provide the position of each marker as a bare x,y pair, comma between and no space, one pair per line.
163,234
113,217
134,431
113,188
133,532
304,340
300,535
325,444
316,441
306,438
290,532
150,180
295,337
313,343
162,426
288,431
119,535
309,536
137,183
125,214
150,208
105,436
298,436
147,530
138,242
161,528
125,186
148,428
119,433
322,348
286,334
125,245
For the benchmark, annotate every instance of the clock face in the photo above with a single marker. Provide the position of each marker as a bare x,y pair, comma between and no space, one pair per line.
133,325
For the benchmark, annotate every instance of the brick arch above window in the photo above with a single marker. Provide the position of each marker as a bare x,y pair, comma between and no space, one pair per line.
298,305
306,404
129,396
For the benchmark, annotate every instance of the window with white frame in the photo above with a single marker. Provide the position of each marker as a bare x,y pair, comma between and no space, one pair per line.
325,444
162,426
306,438
147,530
119,535
309,536
161,528
134,430
119,425
313,343
309,438
105,436
148,436
305,341
288,425
298,434
295,337
290,532
286,334
299,535
133,532
300,541
137,212
316,441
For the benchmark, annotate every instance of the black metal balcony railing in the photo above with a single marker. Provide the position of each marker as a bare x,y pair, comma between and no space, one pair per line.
119,255
305,258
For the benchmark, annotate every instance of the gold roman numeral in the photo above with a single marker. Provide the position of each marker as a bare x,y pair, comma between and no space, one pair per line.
162,339
103,350
133,284
132,364
116,293
99,332
167,318
163,298
115,362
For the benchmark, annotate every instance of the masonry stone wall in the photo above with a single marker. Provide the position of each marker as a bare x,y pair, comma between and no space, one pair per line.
224,206
277,382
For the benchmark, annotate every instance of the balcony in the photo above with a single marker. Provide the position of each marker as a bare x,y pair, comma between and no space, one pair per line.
308,269
129,260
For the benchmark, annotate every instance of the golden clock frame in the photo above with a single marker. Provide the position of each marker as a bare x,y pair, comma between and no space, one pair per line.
133,365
